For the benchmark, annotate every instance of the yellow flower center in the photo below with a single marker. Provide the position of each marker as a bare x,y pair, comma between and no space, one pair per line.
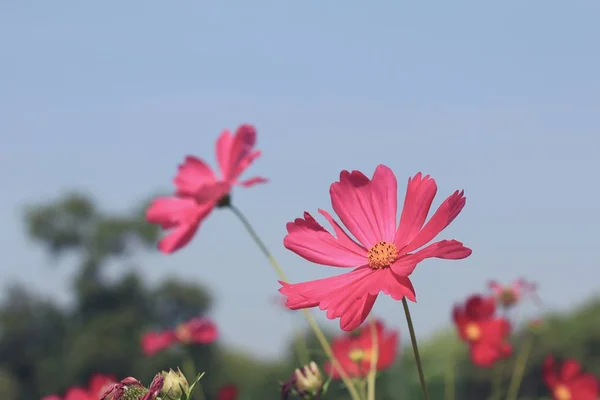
508,298
562,393
358,355
472,331
183,334
382,255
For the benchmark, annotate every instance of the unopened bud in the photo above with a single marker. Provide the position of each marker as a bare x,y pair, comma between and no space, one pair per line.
175,385
309,379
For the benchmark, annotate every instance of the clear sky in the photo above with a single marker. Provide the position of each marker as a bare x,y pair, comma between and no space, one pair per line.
501,99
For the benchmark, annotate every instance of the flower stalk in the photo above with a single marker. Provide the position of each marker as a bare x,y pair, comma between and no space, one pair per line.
413,340
311,320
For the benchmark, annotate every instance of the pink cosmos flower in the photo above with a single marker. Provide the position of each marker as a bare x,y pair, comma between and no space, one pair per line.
98,384
199,190
197,330
385,254
510,295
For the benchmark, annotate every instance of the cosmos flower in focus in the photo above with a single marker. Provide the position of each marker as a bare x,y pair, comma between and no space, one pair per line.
200,190
485,333
385,252
354,350
567,381
508,296
197,330
97,385
227,392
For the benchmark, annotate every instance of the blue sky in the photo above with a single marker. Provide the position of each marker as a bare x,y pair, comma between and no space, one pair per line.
500,99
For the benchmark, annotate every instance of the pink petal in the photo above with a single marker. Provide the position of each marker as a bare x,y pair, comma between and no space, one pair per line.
446,249
495,287
253,181
77,393
419,195
202,330
52,397
184,214
349,296
223,149
244,163
444,215
240,152
367,207
307,238
193,174
153,342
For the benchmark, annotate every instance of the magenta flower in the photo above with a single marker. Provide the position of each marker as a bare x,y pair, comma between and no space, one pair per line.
509,295
199,190
385,254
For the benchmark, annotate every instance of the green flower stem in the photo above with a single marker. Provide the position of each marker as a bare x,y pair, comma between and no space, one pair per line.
189,371
374,357
413,340
497,376
450,384
311,320
519,371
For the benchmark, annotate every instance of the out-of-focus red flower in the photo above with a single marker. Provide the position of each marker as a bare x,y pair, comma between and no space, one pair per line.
567,381
486,334
385,254
509,295
199,190
227,392
97,385
197,330
354,351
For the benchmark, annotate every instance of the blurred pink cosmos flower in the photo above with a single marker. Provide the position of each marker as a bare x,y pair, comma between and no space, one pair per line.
386,254
510,295
98,384
197,330
199,190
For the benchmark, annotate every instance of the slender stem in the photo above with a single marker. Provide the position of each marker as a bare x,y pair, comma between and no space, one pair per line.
374,357
497,376
413,339
189,371
517,377
450,380
311,320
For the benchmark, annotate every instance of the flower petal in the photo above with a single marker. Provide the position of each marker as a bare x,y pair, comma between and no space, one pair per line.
444,215
253,181
192,175
223,150
235,153
447,249
153,342
367,207
349,296
420,193
307,238
202,331
184,214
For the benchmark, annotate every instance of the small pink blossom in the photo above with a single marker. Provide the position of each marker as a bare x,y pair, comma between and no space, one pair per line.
386,253
200,190
197,330
509,295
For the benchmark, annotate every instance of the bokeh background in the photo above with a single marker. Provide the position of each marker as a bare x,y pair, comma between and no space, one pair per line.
99,102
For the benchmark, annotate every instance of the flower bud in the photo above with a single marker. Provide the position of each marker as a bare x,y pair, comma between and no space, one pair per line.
309,379
174,386
306,382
